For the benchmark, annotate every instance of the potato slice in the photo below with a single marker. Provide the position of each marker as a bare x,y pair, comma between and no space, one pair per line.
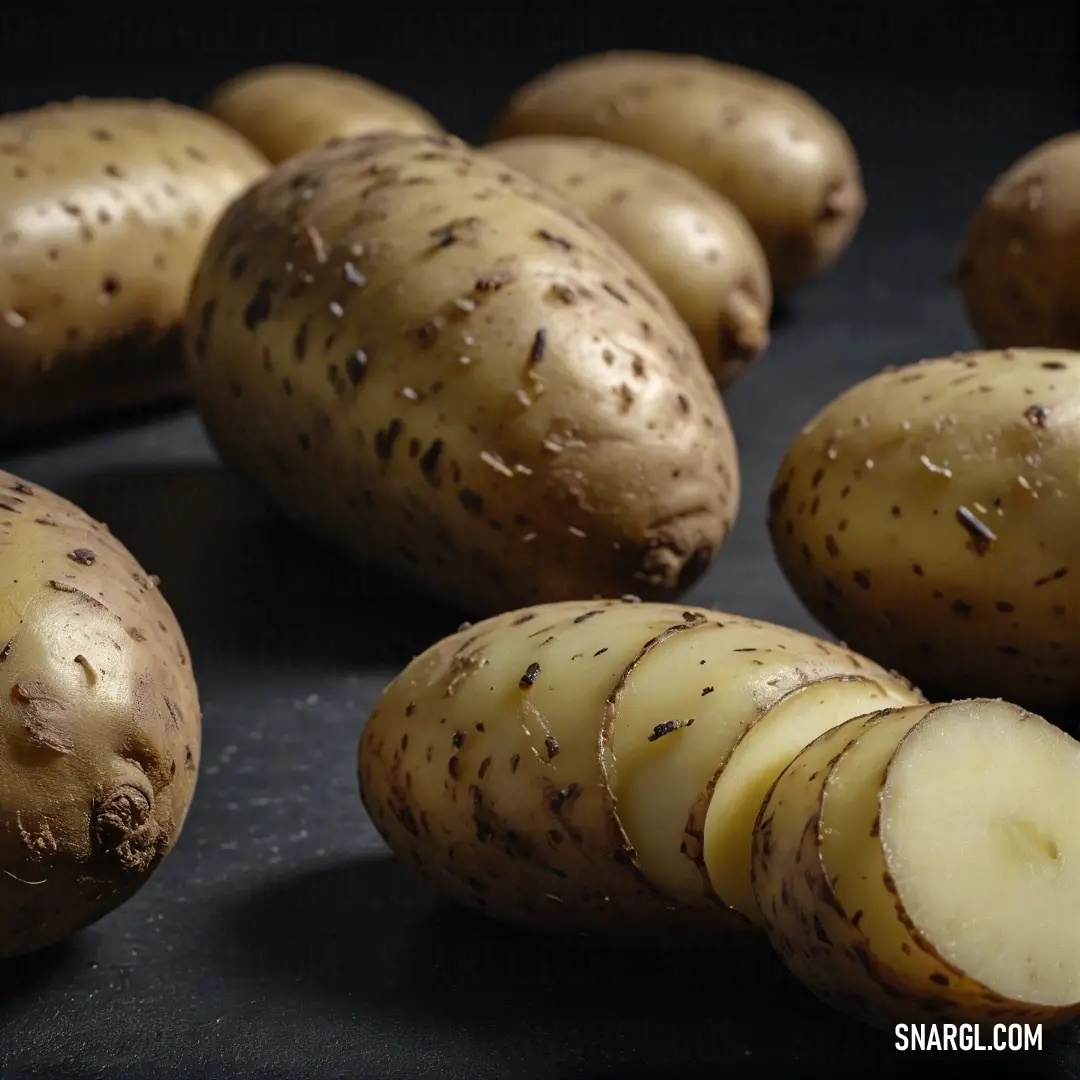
762,753
678,712
919,864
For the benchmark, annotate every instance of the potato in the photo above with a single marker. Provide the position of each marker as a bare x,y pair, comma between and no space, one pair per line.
694,244
99,721
777,154
444,370
552,766
927,516
923,864
104,208
285,109
1020,267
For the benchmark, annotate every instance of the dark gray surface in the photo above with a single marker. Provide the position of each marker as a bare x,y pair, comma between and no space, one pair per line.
279,939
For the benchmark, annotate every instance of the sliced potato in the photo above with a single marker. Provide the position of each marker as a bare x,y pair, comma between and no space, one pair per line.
923,864
541,766
762,753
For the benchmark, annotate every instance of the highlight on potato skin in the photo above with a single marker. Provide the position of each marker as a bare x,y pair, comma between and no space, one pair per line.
775,152
552,766
480,394
100,724
927,516
1019,271
915,865
695,244
104,207
285,109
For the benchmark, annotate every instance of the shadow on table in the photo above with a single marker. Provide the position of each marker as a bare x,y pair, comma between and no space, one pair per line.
369,936
23,977
246,584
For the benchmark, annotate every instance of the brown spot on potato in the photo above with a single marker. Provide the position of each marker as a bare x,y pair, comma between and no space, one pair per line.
1037,415
471,501
862,578
82,556
529,678
551,744
258,307
962,608
1057,575
385,439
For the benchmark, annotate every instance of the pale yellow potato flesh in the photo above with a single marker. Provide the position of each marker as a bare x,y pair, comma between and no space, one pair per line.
105,206
825,875
762,753
694,243
927,516
979,817
285,109
100,723
677,714
494,761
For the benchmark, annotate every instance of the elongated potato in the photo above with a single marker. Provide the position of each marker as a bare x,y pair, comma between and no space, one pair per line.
285,109
452,375
549,766
928,516
1020,267
104,209
923,864
777,154
695,244
99,721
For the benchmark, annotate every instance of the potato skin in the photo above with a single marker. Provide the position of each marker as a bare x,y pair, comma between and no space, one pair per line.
285,109
104,208
491,762
1020,267
444,370
100,724
777,154
695,244
927,517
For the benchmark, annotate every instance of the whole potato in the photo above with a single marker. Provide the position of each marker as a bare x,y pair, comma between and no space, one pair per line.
1020,268
104,208
552,766
285,109
694,244
452,375
99,718
777,154
928,515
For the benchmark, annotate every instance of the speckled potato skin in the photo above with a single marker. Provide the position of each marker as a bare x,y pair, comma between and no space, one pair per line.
1020,267
99,721
927,517
777,154
491,762
285,109
104,208
834,951
444,370
695,244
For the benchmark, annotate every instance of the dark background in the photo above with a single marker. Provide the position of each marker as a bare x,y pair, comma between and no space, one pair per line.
279,940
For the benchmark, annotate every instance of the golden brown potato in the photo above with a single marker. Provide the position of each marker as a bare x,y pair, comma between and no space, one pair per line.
99,720
104,209
1020,268
284,109
452,375
777,154
695,244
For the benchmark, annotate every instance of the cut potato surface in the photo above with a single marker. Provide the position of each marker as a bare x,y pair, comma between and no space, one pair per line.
541,766
916,864
762,753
